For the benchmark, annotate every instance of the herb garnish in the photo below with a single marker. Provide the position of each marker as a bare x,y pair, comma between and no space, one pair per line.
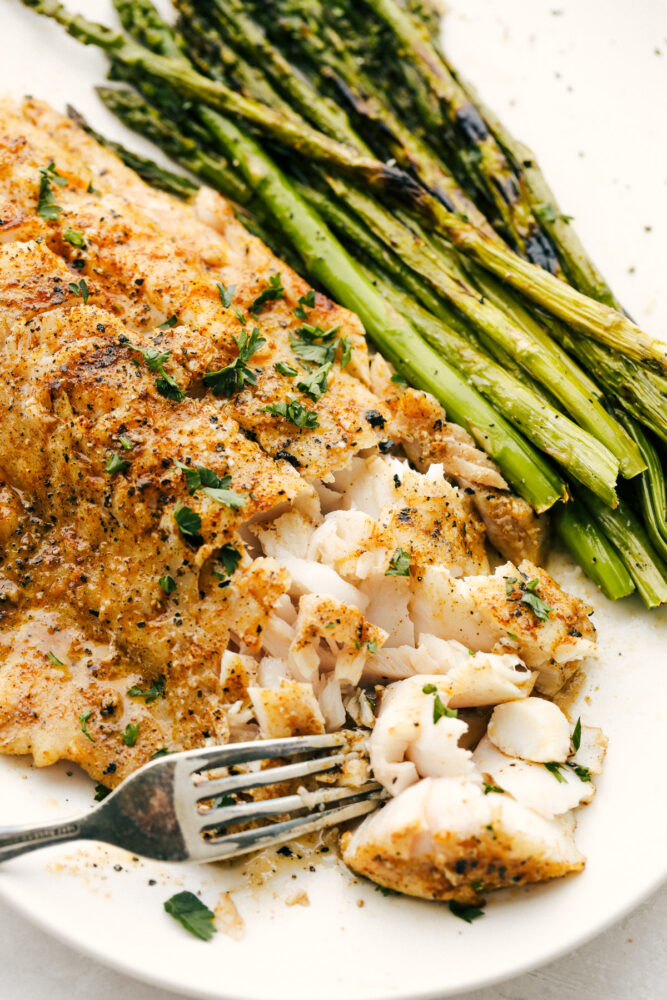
130,734
385,891
230,559
169,323
372,646
234,376
464,911
439,710
152,693
165,384
54,659
555,768
83,719
226,294
274,290
101,792
576,735
295,412
126,443
162,752
493,788
529,596
306,300
188,521
167,583
46,205
284,369
304,343
581,772
80,288
74,237
398,379
192,914
399,564
315,384
115,464
198,477
220,801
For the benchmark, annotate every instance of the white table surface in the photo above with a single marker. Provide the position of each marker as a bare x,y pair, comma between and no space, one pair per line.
628,962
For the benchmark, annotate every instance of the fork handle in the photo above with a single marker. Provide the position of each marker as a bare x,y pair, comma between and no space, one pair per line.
16,840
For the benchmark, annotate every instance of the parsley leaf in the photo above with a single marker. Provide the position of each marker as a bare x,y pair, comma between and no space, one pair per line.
581,772
198,477
46,204
230,558
465,912
101,792
162,752
192,914
169,388
152,693
74,237
372,646
80,288
116,464
126,443
493,788
220,801
439,710
315,384
306,300
576,735
385,891
83,719
530,597
295,412
304,343
274,290
284,369
130,734
165,384
399,564
555,768
345,351
226,294
398,379
187,520
54,659
167,583
233,377
168,323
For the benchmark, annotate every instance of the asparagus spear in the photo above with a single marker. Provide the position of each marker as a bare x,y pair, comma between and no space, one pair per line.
560,438
591,317
329,263
625,532
580,533
651,488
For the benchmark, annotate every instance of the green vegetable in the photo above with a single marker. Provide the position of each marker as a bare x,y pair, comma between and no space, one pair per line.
188,521
315,384
74,237
80,288
234,376
46,204
295,412
130,734
192,914
226,294
576,735
555,768
464,911
101,792
83,720
115,464
273,291
399,564
151,693
167,583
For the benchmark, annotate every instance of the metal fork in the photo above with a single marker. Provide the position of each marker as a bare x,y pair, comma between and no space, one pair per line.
161,810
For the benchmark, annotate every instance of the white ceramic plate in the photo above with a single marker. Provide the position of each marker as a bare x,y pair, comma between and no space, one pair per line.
582,84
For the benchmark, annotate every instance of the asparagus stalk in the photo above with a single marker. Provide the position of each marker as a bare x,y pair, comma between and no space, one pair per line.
580,533
651,489
625,532
324,257
560,438
148,170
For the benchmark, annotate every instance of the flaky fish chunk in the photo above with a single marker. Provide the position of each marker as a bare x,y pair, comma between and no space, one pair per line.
443,838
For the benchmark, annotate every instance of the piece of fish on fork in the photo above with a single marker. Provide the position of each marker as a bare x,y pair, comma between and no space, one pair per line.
171,808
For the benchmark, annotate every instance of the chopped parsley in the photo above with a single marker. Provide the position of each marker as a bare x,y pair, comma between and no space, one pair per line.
80,288
126,443
220,801
54,659
101,792
581,772
83,720
312,343
169,323
372,646
162,752
315,384
167,583
74,237
284,369
198,477
439,710
534,601
345,351
398,379
165,384
233,377
188,521
576,735
226,294
493,788
230,559
555,768
385,891
152,693
274,290
464,911
130,734
295,412
192,914
46,204
399,564
307,300
115,464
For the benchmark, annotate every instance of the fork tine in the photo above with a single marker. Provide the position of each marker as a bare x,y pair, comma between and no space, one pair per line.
270,776
311,801
254,840
241,753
